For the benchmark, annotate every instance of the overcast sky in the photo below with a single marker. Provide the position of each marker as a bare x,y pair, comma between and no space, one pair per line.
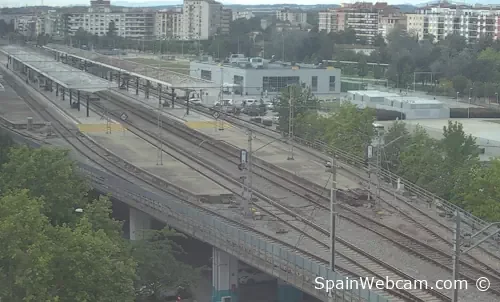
17,3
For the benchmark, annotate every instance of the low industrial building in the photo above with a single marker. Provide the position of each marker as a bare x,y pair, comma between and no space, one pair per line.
259,77
410,107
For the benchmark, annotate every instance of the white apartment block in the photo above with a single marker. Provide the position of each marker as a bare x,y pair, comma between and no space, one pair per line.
415,25
292,16
168,24
444,19
328,21
201,19
246,14
127,24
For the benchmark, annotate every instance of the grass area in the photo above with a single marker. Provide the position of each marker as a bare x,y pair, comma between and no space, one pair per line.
177,66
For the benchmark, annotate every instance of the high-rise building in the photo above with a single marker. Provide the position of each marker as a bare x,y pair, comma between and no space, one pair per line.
295,17
366,19
168,24
201,19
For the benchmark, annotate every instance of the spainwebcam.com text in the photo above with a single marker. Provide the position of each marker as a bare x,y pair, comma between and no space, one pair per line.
370,283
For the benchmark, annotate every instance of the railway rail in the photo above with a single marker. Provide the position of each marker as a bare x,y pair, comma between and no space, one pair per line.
470,271
109,162
355,255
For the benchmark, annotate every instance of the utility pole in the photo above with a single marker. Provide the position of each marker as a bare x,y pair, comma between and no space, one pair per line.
159,156
379,160
369,154
221,100
333,217
456,255
290,124
333,212
246,168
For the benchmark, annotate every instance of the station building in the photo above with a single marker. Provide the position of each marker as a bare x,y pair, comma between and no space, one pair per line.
410,107
258,77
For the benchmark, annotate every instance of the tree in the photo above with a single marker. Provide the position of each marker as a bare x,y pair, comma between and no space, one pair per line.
362,67
49,174
301,99
50,253
396,140
5,144
350,128
481,196
421,161
158,269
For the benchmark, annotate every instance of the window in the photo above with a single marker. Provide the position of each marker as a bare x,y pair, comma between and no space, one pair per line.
332,83
314,83
276,84
206,75
238,80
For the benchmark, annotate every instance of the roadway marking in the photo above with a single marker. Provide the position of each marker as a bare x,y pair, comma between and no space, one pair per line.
89,128
207,124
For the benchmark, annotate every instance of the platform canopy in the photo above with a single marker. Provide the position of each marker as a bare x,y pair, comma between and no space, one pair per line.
170,78
63,74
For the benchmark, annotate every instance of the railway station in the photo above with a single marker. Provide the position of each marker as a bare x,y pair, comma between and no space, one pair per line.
129,75
46,69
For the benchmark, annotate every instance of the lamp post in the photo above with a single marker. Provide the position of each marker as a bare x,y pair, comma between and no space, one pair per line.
457,251
496,94
458,93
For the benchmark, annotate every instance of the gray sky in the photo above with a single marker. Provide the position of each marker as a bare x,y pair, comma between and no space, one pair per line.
17,3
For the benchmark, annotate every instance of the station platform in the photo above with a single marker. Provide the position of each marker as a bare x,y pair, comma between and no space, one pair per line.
15,111
274,152
116,138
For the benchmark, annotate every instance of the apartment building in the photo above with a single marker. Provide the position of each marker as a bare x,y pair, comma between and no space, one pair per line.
254,13
25,25
201,19
415,25
445,19
226,18
389,20
366,19
292,16
48,24
168,24
328,21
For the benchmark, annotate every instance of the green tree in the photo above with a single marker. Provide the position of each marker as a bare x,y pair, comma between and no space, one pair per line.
5,144
301,99
49,174
362,67
396,139
481,196
350,128
421,161
158,269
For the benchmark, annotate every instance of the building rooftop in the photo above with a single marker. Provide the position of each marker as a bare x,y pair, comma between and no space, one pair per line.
374,93
267,65
63,74
413,100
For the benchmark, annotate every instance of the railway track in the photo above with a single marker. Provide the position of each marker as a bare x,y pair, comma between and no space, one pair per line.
109,162
470,271
349,253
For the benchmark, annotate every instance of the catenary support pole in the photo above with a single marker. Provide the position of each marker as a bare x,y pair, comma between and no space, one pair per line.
456,256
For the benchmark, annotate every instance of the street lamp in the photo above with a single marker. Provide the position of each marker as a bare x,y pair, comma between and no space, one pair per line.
496,94
458,93
457,251
468,108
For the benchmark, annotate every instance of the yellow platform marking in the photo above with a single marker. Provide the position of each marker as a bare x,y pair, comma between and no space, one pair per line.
88,128
207,124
